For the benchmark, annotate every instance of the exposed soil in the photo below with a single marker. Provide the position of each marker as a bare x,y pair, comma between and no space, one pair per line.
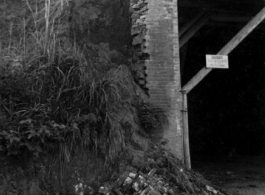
235,176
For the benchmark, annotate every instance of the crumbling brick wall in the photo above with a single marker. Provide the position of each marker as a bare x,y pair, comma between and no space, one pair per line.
155,39
138,32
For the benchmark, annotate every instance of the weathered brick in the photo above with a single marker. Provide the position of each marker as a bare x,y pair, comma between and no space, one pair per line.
163,72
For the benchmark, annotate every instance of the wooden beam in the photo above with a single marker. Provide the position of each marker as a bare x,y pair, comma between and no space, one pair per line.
227,49
190,23
189,34
224,17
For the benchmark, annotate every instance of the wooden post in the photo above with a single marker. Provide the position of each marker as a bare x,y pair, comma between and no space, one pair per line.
227,49
186,144
189,34
204,71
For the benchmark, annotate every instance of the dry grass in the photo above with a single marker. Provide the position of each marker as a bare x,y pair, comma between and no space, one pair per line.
59,96
45,71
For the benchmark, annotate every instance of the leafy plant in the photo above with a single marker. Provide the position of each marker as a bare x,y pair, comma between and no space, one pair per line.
60,96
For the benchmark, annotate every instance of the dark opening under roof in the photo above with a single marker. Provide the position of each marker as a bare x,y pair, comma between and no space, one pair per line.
228,5
239,8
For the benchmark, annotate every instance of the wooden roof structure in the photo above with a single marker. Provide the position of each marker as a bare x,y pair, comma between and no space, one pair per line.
193,15
244,7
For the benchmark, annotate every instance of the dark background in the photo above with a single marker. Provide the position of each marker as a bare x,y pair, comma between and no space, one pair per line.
227,108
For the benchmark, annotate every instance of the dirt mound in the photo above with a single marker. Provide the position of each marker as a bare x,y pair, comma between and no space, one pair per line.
157,172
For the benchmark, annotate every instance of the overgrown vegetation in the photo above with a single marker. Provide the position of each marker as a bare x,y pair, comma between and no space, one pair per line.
59,95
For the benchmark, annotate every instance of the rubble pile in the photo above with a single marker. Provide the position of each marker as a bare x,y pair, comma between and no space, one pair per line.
152,184
158,172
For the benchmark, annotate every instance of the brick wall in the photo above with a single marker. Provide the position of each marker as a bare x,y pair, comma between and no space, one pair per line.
163,67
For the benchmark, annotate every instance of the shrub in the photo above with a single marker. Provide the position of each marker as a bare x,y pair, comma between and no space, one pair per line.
58,95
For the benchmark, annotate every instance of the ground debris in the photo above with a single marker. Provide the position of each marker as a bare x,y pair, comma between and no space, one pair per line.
138,183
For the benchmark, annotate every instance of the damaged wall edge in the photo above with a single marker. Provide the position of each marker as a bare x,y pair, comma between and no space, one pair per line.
157,40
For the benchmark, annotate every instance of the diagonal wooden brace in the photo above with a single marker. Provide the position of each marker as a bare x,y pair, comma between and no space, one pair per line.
204,71
241,35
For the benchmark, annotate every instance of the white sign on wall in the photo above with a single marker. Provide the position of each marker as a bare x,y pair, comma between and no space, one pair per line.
216,61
